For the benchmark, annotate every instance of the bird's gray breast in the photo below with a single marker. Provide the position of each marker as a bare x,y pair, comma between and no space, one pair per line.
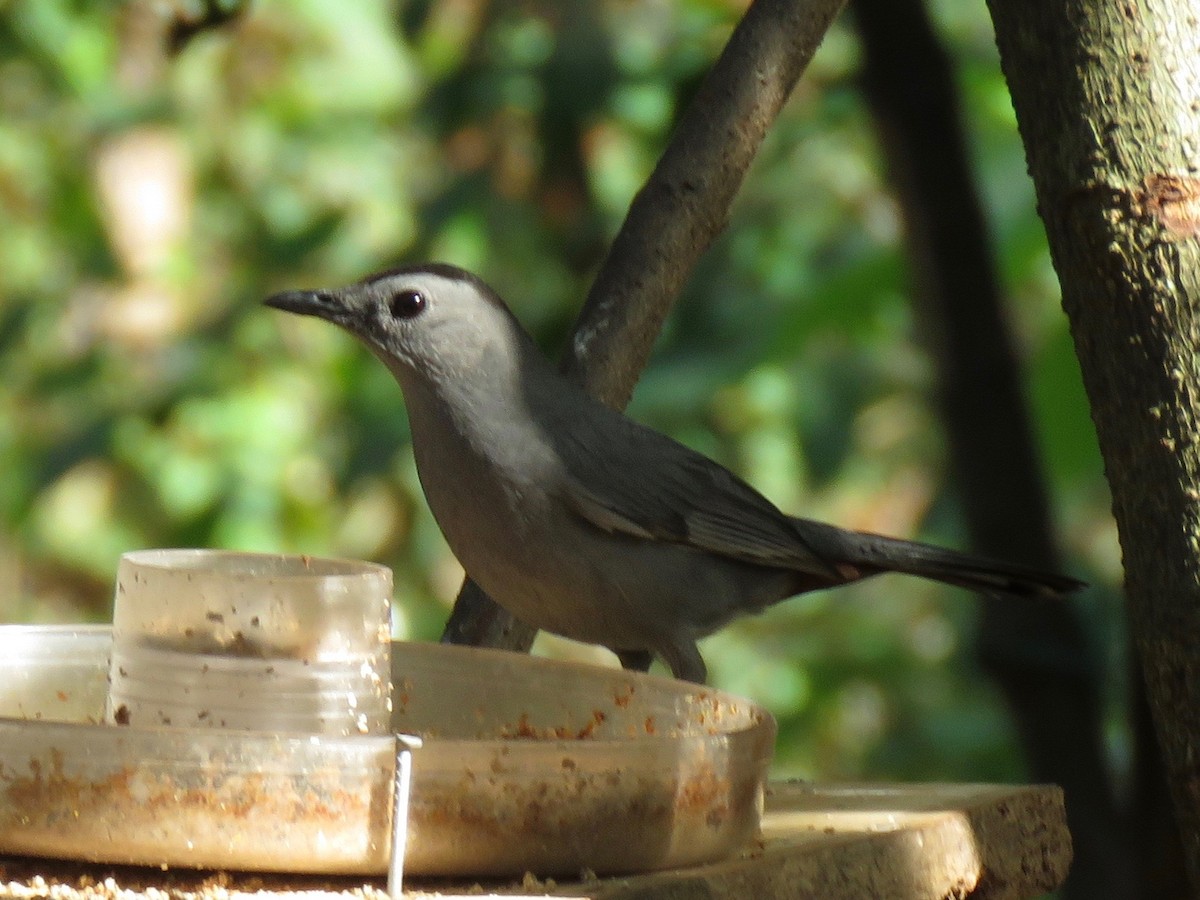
490,480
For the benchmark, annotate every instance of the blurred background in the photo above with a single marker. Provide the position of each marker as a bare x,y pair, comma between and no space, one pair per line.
150,199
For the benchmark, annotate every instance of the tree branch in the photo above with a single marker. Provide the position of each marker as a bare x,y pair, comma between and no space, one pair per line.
671,223
685,204
188,21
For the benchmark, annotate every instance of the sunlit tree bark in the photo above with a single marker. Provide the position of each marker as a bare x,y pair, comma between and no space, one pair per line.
1107,97
1037,653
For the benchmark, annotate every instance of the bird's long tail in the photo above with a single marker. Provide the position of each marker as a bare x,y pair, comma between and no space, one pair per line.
860,554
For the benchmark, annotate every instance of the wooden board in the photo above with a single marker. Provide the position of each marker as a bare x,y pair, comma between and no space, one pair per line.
908,842
896,841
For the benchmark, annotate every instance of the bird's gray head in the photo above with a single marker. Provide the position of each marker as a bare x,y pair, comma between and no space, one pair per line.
424,319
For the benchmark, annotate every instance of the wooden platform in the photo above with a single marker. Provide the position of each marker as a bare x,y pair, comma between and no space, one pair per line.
818,841
895,841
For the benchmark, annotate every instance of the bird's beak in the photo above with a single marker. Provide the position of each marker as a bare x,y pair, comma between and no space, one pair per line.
322,304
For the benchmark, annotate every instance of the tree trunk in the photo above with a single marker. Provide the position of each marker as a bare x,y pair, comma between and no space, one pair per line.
1107,97
1036,652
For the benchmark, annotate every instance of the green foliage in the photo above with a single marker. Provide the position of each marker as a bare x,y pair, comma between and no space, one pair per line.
149,203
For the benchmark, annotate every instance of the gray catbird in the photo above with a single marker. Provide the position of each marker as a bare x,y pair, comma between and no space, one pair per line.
579,520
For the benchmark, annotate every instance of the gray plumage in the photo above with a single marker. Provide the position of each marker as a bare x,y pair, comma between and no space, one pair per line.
579,520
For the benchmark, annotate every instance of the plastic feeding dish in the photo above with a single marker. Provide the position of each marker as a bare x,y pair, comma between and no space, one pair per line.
216,639
553,768
527,765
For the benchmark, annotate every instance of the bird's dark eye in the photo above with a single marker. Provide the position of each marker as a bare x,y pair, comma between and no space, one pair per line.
407,304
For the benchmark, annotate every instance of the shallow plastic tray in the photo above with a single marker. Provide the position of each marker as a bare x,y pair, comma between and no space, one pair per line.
528,765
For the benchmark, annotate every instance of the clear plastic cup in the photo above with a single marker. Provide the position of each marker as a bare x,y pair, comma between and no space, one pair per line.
251,641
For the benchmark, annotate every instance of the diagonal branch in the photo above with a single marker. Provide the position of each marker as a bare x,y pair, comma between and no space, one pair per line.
685,204
671,223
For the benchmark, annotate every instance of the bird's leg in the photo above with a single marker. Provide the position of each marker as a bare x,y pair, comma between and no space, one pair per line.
685,661
635,660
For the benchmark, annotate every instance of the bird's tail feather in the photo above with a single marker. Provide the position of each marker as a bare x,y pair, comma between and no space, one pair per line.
870,554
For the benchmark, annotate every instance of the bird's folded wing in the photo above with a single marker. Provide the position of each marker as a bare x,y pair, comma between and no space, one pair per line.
682,497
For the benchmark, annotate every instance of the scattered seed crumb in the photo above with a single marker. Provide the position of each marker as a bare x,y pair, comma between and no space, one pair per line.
532,883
